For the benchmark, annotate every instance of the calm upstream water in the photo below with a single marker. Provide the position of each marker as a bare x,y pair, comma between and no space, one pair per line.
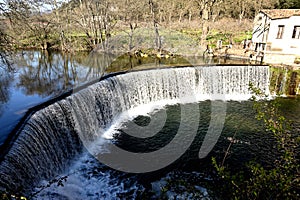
40,76
196,110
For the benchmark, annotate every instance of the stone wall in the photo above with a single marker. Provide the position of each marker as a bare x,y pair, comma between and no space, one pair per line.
279,58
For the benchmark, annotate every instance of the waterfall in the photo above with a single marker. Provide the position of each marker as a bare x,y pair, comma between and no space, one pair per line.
53,136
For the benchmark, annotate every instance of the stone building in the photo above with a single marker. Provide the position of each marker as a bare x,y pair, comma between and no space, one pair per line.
276,35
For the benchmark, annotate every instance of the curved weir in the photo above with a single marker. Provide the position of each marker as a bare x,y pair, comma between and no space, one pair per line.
53,136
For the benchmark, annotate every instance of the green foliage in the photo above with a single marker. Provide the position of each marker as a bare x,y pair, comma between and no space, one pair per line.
297,60
288,4
239,37
280,181
226,37
181,187
32,27
7,196
4,195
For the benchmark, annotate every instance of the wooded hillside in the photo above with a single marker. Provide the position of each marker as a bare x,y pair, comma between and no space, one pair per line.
83,24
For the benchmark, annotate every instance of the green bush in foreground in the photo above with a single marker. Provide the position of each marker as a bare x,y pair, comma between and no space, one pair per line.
282,180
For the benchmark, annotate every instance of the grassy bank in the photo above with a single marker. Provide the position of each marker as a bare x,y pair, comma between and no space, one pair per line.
176,38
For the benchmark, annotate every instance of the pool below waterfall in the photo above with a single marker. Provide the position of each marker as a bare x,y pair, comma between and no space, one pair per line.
143,134
87,178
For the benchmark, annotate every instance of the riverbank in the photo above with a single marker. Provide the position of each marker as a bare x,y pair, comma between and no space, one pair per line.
173,37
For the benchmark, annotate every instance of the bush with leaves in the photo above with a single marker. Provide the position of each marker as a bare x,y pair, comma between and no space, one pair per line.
280,181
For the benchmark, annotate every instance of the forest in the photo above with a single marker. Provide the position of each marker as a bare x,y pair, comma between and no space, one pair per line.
84,24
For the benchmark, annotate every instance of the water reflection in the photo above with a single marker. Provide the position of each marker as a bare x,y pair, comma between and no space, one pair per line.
47,74
285,81
5,80
41,75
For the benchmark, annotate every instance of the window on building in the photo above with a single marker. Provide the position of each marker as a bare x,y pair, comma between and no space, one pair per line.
296,32
280,31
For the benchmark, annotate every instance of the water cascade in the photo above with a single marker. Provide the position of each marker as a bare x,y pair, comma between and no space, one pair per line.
53,136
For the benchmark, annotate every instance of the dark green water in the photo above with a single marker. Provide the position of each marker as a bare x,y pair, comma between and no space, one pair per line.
188,177
251,140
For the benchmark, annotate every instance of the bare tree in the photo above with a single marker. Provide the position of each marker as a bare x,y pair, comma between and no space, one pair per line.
96,19
29,20
131,15
5,39
241,9
153,11
62,23
206,8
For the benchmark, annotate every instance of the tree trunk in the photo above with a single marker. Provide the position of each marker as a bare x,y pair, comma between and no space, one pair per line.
155,25
205,25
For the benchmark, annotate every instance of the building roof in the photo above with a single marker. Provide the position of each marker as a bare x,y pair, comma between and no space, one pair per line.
281,13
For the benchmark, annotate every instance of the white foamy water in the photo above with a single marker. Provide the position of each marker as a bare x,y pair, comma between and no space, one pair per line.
55,135
88,179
